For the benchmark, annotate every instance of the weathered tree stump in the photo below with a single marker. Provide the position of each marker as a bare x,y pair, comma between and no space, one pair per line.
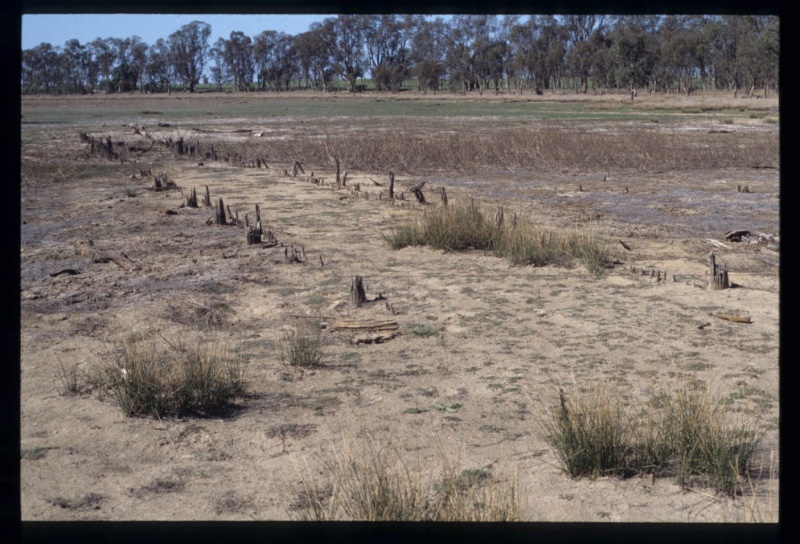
207,198
499,218
338,172
719,274
443,192
417,191
297,168
357,292
191,200
293,255
391,185
255,232
220,218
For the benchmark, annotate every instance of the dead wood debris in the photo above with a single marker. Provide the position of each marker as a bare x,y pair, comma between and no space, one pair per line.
734,318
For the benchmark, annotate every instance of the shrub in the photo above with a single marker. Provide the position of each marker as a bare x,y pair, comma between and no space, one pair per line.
174,379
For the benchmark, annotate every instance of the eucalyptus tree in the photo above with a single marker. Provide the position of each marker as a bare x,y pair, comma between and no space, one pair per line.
681,54
104,53
218,68
40,69
387,40
159,69
189,51
582,47
76,65
276,60
344,37
635,50
237,54
314,56
428,50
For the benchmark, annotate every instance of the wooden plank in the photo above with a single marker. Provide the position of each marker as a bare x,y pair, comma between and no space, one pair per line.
734,318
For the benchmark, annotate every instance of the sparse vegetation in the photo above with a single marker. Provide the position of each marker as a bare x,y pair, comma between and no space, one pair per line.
173,378
463,225
375,484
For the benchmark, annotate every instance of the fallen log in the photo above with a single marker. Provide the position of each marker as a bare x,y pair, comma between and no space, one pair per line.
732,317
70,271
372,338
371,325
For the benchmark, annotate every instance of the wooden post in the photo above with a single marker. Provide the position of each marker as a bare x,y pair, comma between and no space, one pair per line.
391,185
444,196
207,199
357,292
338,172
719,274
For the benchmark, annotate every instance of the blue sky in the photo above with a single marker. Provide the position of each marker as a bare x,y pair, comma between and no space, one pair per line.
58,29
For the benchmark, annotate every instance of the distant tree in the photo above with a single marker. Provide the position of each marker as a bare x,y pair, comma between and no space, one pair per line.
40,69
344,38
428,53
315,56
104,53
635,51
582,47
188,52
276,58
159,67
387,39
75,65
237,54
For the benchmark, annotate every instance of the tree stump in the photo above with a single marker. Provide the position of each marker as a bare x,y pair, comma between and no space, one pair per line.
391,185
207,199
219,218
191,200
719,274
357,292
338,172
417,191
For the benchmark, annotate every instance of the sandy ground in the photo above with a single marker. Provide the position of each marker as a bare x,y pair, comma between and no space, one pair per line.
496,340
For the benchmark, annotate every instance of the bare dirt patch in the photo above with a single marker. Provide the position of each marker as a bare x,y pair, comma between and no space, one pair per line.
482,345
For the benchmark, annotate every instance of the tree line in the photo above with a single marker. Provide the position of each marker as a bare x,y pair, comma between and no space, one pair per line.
465,53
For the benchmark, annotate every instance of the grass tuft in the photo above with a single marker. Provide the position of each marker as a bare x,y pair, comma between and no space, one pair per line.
69,382
687,435
173,379
303,347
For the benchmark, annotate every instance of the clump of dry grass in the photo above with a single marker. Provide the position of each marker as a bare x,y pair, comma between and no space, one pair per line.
463,225
687,435
302,347
375,484
69,380
173,378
